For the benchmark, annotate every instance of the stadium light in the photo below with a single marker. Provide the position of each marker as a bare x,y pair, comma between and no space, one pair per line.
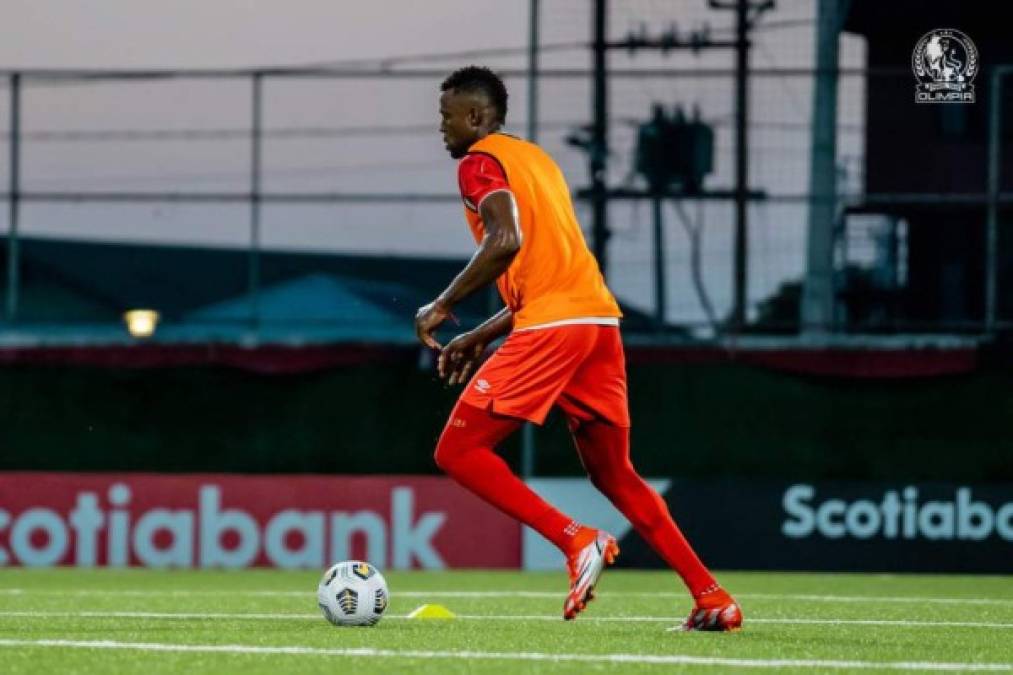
141,323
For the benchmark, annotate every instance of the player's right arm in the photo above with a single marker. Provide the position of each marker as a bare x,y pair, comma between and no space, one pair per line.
462,353
484,188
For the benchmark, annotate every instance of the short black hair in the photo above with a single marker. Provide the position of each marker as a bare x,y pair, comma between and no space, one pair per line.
480,79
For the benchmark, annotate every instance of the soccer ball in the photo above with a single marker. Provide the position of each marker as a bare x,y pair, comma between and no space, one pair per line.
352,593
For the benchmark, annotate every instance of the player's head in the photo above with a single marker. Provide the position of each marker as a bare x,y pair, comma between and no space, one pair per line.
473,104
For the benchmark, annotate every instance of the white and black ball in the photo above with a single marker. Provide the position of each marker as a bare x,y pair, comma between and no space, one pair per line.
353,593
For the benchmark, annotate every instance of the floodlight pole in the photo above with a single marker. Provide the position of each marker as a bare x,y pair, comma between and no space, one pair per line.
817,310
13,257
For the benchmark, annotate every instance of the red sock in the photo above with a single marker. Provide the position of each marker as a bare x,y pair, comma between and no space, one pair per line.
713,597
605,451
466,452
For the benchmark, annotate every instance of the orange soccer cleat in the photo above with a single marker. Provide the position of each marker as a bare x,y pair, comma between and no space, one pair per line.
585,567
715,610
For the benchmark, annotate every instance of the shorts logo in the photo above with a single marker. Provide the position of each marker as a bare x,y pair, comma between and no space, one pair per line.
945,62
483,386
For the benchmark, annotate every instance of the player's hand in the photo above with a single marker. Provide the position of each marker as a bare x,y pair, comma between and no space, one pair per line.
460,356
427,319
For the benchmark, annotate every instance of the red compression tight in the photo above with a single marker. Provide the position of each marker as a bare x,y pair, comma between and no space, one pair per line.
466,451
605,451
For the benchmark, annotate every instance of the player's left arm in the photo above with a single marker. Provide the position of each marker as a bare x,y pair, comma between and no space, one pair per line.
464,352
502,241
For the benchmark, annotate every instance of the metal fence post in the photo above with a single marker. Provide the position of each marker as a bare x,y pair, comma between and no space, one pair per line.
13,253
659,262
528,447
992,227
255,155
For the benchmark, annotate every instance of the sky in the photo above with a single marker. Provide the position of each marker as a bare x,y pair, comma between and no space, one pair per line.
234,33
374,135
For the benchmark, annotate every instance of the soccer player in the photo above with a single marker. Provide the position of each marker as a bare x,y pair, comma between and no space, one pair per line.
563,348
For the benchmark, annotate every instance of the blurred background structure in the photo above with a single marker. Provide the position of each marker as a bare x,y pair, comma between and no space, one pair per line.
817,271
799,192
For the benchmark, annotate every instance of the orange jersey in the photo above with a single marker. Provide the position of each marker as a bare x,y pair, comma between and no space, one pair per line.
554,276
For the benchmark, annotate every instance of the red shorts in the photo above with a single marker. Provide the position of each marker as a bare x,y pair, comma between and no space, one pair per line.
580,367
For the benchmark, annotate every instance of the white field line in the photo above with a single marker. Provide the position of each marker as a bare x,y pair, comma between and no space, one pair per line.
881,599
876,598
652,659
282,616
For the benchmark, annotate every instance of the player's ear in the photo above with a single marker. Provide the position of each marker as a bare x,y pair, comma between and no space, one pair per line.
475,116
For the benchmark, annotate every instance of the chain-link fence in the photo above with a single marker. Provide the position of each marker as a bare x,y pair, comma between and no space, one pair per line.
286,194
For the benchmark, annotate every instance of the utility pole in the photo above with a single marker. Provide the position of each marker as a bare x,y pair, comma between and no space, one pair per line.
743,23
741,162
597,143
598,148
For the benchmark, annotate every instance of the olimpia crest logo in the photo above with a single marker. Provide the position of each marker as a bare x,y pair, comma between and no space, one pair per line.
945,62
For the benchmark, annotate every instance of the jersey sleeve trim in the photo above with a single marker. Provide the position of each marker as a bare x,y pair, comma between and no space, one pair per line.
479,173
493,158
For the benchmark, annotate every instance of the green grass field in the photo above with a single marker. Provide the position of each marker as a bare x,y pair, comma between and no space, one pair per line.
112,621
